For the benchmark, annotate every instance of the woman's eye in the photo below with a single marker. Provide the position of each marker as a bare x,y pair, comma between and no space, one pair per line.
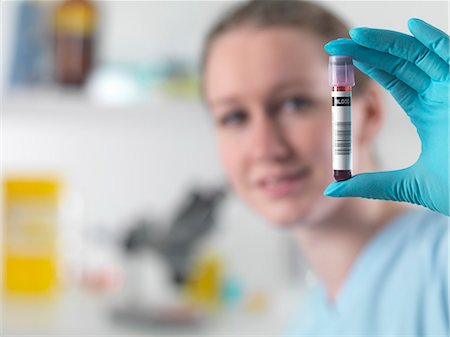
234,118
295,104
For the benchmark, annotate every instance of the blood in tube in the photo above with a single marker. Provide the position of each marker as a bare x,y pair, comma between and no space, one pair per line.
341,80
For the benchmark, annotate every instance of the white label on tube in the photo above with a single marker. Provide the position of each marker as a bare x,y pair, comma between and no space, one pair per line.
341,111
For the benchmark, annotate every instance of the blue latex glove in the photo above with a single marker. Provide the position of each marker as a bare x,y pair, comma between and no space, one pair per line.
415,70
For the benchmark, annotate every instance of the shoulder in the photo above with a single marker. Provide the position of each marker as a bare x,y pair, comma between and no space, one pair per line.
430,242
417,239
429,238
416,248
428,247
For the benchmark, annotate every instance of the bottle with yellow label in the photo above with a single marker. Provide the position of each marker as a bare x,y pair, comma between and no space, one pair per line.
30,235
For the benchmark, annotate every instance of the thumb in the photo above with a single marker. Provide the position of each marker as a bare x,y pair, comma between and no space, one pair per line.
375,185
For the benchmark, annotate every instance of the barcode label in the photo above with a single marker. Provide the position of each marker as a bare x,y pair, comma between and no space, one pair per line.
342,130
342,137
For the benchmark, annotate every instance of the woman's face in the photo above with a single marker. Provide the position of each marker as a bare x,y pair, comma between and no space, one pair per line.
268,93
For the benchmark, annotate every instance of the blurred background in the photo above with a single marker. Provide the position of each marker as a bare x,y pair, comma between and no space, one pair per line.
116,215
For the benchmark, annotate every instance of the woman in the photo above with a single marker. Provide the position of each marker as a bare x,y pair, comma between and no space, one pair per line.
381,266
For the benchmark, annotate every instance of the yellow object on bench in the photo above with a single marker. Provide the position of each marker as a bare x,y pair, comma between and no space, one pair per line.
30,235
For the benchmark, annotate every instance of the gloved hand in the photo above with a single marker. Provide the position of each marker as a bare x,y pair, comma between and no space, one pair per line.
415,70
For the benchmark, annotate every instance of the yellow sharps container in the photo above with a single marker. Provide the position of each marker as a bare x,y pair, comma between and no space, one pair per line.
30,235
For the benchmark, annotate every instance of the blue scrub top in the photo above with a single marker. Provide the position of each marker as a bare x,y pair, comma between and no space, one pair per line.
398,286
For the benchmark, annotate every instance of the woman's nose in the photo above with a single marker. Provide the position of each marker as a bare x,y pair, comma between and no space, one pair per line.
267,141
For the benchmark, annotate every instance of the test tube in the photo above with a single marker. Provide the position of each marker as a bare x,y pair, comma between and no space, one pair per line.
341,79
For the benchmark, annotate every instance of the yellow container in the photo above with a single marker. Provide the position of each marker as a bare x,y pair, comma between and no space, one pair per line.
30,235
204,284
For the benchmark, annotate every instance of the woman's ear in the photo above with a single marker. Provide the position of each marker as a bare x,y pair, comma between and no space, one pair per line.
369,114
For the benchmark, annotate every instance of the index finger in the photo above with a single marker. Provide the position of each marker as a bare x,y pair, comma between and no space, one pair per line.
394,65
404,46
433,38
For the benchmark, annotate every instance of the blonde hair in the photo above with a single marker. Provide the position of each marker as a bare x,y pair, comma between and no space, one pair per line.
302,15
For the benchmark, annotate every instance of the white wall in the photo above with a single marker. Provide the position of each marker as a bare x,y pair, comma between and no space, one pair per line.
144,29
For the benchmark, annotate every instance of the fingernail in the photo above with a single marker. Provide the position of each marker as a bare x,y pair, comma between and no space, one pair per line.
359,64
332,43
331,190
328,46
352,32
358,32
414,21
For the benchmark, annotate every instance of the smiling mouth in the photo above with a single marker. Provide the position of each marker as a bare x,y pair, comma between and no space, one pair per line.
283,184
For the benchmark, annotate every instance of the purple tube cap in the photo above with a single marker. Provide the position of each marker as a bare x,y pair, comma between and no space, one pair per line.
340,71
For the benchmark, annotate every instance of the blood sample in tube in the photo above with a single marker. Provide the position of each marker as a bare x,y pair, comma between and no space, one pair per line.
341,80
